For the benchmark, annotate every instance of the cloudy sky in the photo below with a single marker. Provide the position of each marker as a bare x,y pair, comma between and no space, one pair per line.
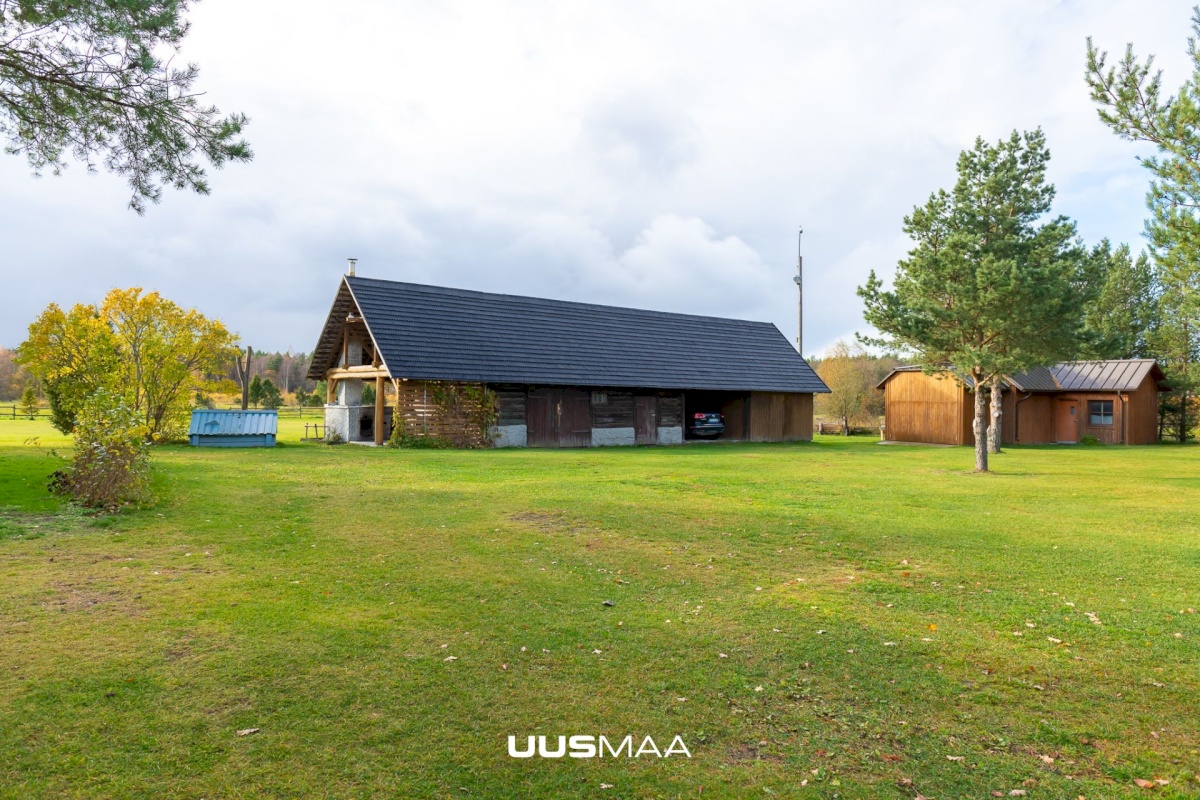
658,155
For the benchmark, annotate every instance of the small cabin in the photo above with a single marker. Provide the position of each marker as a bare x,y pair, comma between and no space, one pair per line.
236,428
1113,402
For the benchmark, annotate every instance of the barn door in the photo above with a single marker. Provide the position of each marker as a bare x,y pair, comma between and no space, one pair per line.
645,419
575,418
541,418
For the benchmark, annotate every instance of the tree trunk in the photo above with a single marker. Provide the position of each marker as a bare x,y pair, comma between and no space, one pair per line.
994,430
244,375
845,426
980,428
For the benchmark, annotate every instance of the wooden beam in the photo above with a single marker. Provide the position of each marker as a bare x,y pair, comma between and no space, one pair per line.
365,372
331,390
379,392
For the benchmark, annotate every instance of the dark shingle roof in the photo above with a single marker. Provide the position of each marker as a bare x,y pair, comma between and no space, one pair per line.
435,333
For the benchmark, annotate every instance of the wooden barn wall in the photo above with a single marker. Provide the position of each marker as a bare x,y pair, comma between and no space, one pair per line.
798,418
512,404
616,413
925,408
778,417
1008,419
670,410
734,410
1108,434
1032,418
1142,414
422,417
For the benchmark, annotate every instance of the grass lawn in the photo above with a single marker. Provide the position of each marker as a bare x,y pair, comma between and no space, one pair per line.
834,619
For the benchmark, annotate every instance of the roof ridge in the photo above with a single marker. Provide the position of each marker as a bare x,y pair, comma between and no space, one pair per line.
451,290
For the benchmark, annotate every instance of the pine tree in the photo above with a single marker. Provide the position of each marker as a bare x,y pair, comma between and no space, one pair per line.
256,390
29,402
97,80
1131,103
992,286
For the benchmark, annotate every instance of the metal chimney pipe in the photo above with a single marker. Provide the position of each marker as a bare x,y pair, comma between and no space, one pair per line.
799,280
350,262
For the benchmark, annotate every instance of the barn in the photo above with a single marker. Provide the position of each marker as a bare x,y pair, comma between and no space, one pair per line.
1115,402
486,369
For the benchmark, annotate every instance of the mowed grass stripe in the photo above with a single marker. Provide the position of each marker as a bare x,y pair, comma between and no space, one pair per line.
308,591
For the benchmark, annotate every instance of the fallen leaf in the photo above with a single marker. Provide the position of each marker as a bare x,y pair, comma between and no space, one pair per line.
247,731
955,758
891,757
1017,793
450,658
606,786
1145,784
1046,759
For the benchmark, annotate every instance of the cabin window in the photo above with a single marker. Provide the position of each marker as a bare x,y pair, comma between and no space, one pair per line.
599,398
1100,412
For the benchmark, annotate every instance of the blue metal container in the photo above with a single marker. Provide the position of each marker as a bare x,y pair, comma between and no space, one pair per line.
233,428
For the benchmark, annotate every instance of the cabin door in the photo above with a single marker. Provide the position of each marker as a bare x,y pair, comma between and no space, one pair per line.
1066,424
541,417
645,420
575,418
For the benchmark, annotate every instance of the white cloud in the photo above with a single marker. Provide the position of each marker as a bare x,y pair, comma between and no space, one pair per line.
646,153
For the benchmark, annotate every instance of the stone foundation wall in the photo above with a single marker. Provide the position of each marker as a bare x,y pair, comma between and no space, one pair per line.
611,437
670,435
509,436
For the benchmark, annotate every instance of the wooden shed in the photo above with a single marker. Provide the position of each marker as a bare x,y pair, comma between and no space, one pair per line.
561,374
1116,402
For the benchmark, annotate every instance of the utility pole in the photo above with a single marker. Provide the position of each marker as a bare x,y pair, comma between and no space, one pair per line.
799,279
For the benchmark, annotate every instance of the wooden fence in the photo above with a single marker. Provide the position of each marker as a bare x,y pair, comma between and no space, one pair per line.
285,412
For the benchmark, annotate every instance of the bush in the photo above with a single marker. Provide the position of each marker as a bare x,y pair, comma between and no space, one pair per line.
111,465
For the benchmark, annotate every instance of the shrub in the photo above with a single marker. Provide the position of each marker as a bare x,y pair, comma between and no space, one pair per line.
29,402
111,465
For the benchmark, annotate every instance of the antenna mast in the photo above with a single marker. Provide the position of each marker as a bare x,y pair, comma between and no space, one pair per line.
799,280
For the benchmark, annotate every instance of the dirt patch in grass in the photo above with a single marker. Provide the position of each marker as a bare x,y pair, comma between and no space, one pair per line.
550,522
82,597
15,524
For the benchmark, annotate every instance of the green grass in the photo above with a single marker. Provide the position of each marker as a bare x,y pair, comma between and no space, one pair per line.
867,600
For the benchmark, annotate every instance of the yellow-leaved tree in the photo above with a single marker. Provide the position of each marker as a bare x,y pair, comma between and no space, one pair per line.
142,348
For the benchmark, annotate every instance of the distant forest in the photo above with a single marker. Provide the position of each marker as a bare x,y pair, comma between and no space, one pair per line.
285,370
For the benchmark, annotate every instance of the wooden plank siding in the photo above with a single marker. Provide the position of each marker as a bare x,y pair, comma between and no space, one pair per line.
924,408
1141,408
779,417
421,416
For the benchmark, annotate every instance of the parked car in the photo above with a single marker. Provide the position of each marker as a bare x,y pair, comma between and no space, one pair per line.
706,424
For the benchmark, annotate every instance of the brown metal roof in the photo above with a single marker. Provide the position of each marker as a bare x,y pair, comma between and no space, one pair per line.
1117,375
1104,376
